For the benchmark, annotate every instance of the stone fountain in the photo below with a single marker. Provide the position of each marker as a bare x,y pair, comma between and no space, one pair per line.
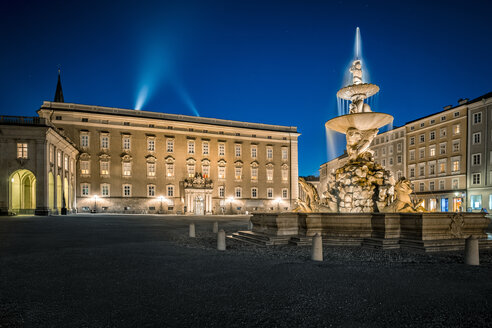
363,204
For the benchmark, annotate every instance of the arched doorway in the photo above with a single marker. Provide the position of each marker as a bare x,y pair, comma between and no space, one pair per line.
51,191
22,192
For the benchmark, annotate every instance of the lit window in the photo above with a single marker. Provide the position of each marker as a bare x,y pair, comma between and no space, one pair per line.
205,148
85,189
269,153
456,129
151,169
222,172
237,150
456,166
127,190
269,192
238,173
104,165
150,190
269,174
170,191
237,192
442,168
206,171
191,170
476,202
254,151
254,192
254,173
127,169
21,150
221,149
59,159
65,162
84,168
191,147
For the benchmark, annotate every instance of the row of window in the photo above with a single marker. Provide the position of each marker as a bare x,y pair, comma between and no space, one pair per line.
455,184
191,149
104,167
433,121
151,191
390,148
391,161
432,150
441,167
432,134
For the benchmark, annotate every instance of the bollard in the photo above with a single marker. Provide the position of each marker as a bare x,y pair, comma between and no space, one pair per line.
250,225
221,243
216,227
192,230
471,251
317,250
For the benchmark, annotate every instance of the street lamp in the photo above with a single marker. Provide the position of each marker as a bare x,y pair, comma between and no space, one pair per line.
161,198
95,203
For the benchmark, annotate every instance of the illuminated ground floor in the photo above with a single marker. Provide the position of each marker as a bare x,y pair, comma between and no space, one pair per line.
192,203
480,198
447,201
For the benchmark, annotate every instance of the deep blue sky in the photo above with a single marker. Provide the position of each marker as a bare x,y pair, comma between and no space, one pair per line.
259,61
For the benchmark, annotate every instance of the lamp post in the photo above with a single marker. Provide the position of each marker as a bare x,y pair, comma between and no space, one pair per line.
95,203
231,200
161,198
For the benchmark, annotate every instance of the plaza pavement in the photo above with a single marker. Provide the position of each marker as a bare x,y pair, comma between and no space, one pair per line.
143,271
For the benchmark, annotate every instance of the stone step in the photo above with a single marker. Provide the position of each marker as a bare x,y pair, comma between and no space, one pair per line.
260,239
381,243
301,241
256,235
247,240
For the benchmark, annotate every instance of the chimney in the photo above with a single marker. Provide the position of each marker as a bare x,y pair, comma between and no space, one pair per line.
462,101
448,107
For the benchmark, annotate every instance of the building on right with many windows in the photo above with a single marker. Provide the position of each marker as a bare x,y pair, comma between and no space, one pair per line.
479,173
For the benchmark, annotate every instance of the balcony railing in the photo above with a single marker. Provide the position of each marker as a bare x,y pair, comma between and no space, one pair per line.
22,120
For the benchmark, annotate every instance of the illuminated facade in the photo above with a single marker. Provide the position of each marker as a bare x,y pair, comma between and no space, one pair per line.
37,167
146,162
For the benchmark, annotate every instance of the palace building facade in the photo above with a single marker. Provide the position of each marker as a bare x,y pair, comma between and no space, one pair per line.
146,162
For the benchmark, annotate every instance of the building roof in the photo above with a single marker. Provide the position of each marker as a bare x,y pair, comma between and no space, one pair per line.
59,91
485,96
70,107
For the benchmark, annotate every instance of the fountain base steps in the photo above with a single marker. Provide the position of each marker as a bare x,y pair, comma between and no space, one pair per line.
259,239
381,243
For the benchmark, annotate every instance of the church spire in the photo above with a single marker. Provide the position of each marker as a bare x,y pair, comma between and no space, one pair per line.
59,91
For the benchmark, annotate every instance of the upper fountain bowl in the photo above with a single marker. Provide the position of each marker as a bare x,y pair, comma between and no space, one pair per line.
360,121
366,89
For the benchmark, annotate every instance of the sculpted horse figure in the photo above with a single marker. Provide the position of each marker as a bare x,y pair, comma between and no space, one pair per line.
311,202
403,202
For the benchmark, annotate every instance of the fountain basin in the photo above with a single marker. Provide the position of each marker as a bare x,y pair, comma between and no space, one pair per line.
365,89
360,121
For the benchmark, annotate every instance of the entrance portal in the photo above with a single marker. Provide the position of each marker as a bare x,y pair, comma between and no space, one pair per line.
22,192
199,205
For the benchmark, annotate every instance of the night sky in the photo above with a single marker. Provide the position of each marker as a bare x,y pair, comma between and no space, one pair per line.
258,61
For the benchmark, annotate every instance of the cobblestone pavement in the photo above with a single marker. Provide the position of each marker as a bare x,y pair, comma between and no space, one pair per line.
144,271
